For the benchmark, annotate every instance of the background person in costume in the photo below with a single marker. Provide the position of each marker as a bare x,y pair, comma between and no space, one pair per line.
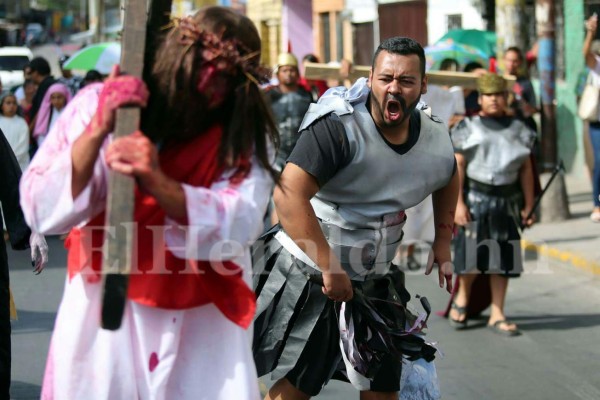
289,102
21,238
203,176
364,156
497,192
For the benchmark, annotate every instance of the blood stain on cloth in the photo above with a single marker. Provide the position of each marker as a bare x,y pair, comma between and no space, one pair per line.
93,278
153,362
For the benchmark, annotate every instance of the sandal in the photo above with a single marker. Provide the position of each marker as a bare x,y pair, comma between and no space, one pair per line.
595,216
456,324
495,327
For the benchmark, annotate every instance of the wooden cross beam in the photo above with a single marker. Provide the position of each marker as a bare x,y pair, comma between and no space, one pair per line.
138,32
467,80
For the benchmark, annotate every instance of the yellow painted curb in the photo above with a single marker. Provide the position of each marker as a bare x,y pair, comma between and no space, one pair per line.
263,388
563,256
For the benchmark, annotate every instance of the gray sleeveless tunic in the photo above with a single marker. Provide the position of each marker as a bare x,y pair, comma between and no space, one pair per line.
361,209
361,213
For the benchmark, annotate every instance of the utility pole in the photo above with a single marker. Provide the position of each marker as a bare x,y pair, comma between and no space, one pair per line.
97,8
511,25
554,205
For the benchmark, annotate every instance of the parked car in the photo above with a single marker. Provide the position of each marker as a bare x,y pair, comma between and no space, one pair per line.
12,62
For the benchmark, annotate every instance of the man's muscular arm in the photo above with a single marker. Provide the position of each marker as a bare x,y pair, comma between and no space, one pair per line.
298,219
444,206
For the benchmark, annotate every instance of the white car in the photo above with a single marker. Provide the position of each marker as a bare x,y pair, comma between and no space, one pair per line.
12,62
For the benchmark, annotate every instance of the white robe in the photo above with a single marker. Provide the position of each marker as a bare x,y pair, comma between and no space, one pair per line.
444,103
193,353
16,131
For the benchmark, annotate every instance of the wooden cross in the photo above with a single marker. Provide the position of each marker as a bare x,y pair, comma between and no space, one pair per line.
139,31
467,80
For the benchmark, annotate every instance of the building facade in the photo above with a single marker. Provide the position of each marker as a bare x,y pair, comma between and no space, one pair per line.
284,26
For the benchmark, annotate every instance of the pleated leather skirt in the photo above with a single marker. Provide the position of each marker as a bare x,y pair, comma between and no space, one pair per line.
296,332
491,243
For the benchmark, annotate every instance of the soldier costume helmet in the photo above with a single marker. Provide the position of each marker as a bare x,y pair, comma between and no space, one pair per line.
490,84
286,59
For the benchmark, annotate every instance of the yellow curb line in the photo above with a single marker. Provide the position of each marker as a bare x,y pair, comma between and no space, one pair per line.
263,388
563,256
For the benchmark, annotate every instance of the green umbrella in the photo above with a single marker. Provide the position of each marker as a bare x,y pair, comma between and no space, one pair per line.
482,40
461,53
99,56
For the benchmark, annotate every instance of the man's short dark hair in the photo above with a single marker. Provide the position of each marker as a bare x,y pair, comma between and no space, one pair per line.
40,65
516,50
404,46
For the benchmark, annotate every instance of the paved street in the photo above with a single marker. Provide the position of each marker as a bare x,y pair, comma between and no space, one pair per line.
37,299
556,358
556,302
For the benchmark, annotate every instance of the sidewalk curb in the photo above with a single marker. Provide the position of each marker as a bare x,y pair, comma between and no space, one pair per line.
566,257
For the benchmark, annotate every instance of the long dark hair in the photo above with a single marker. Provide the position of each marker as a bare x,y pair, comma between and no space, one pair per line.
178,112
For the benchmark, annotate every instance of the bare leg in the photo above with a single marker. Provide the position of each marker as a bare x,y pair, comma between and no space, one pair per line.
462,296
410,250
367,395
411,262
499,285
284,390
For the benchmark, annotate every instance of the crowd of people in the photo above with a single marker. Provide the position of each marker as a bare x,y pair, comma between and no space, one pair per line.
28,111
284,206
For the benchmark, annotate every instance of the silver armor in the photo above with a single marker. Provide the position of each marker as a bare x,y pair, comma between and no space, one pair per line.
494,151
361,209
288,110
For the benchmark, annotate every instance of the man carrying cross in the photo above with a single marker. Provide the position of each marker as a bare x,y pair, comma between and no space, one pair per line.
203,180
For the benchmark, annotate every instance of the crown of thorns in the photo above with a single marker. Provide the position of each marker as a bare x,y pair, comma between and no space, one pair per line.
226,52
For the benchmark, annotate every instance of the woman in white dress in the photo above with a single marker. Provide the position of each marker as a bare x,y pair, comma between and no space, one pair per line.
15,129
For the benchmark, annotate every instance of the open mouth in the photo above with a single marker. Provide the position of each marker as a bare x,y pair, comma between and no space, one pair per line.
393,108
